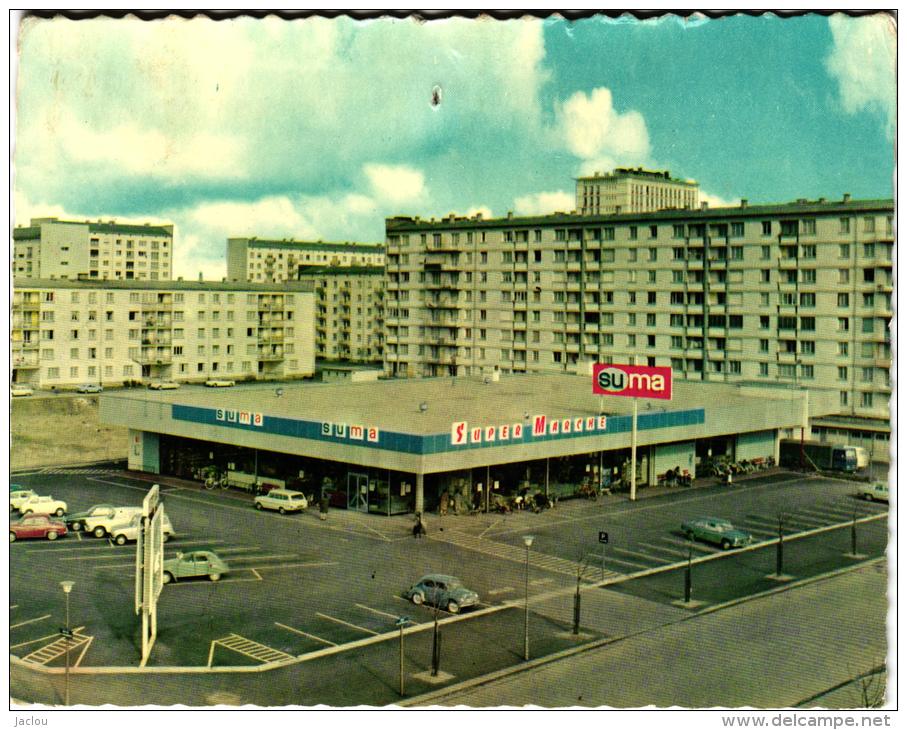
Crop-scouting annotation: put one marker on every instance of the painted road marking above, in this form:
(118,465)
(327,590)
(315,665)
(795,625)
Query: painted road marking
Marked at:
(108,556)
(54,635)
(303,633)
(256,574)
(694,545)
(662,549)
(29,621)
(79,536)
(264,557)
(99,545)
(249,648)
(346,623)
(541,581)
(58,648)
(632,564)
(499,591)
(295,565)
(375,610)
(639,554)
(15,605)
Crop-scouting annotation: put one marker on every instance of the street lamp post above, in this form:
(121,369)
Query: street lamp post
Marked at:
(527,541)
(67,585)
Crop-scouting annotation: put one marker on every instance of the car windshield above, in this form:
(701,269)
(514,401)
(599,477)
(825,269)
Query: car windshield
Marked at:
(723,526)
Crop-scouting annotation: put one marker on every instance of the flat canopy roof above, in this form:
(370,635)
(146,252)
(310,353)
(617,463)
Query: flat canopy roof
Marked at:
(394,405)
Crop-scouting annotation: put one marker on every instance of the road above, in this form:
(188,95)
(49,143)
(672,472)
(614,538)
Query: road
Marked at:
(301,587)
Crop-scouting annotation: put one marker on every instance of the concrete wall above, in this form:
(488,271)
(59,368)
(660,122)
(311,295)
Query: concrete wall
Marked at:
(755,445)
(668,456)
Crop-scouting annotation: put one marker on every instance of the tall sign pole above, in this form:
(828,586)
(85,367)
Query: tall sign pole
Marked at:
(634,381)
(149,567)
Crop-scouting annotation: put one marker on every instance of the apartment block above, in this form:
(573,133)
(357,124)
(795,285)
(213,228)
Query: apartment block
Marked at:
(795,293)
(258,260)
(349,312)
(633,190)
(111,332)
(53,249)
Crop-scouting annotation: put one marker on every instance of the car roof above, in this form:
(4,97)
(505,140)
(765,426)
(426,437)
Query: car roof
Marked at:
(286,491)
(440,577)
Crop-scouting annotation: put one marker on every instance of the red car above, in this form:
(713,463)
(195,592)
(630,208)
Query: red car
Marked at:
(36,526)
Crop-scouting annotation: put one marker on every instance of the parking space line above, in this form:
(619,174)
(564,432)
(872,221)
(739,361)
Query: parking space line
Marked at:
(29,621)
(256,574)
(670,551)
(106,556)
(79,536)
(346,623)
(610,559)
(303,633)
(375,610)
(99,545)
(541,581)
(639,554)
(34,641)
(499,591)
(694,545)
(295,565)
(15,605)
(264,557)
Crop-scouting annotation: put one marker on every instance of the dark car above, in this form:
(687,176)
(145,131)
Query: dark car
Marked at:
(443,591)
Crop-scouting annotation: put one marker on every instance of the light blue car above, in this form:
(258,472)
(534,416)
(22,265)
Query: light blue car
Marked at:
(716,531)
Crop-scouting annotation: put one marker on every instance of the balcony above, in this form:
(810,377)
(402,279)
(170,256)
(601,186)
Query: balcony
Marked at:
(164,305)
(267,337)
(269,305)
(23,362)
(161,356)
(270,354)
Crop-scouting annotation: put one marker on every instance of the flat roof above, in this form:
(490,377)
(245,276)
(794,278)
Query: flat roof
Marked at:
(24,284)
(394,405)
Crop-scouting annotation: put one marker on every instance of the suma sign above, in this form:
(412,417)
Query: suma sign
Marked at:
(634,381)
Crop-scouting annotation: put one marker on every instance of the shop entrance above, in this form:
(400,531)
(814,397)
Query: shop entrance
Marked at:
(357,491)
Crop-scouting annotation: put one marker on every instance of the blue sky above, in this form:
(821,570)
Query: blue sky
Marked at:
(319,129)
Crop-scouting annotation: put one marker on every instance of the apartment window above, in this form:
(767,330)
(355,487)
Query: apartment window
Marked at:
(737,230)
(763,345)
(844,225)
(650,320)
(843,299)
(631,255)
(634,233)
(843,250)
(766,276)
(787,371)
(868,299)
(808,324)
(869,225)
(631,297)
(808,347)
(809,251)
(869,276)
(807,300)
(809,276)
(631,340)
(842,372)
(764,299)
(766,228)
(787,323)
(843,276)
(866,375)
(678,230)
(736,253)
(651,298)
(843,349)
(764,322)
(843,324)
(653,231)
(766,252)
(763,369)
(650,340)
(868,324)
(866,400)
(807,372)
(809,227)
(653,254)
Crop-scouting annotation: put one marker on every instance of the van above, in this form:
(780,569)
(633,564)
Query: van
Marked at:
(862,456)
(282,500)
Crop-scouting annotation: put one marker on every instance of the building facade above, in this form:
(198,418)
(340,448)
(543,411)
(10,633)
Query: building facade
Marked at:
(258,260)
(65,333)
(53,249)
(633,190)
(349,312)
(797,293)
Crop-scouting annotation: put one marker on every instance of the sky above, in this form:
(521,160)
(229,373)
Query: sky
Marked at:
(319,129)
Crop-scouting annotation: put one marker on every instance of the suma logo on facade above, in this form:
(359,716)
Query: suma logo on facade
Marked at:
(631,380)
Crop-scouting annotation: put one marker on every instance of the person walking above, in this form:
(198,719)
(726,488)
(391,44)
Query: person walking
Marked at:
(323,504)
(419,527)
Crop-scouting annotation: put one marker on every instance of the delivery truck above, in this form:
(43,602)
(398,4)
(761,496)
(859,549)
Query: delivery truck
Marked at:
(816,455)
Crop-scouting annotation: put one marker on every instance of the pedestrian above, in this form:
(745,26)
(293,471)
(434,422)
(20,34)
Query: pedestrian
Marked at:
(323,504)
(419,527)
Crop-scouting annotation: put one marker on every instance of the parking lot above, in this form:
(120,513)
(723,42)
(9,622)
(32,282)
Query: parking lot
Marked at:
(300,587)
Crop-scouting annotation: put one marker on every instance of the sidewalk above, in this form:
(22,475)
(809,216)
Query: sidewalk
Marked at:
(775,650)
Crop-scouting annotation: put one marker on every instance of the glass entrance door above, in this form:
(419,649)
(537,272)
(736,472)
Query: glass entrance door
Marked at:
(357,491)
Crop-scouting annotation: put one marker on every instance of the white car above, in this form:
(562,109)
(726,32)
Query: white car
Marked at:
(163,385)
(100,525)
(19,496)
(282,500)
(20,390)
(43,506)
(218,383)
(877,491)
(129,531)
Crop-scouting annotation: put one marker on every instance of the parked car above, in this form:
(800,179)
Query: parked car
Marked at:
(716,531)
(877,491)
(196,564)
(443,591)
(129,531)
(76,520)
(46,505)
(100,523)
(218,383)
(283,500)
(18,390)
(90,388)
(18,496)
(163,385)
(40,526)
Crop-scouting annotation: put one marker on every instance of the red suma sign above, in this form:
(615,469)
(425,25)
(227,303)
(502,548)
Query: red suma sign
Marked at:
(635,381)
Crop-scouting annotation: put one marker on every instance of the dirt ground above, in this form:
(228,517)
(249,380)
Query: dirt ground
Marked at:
(61,430)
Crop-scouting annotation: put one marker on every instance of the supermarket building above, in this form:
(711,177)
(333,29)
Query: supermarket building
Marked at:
(395,446)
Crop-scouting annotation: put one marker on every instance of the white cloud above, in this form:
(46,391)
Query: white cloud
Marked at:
(544,203)
(476,209)
(716,201)
(863,61)
(395,184)
(593,130)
